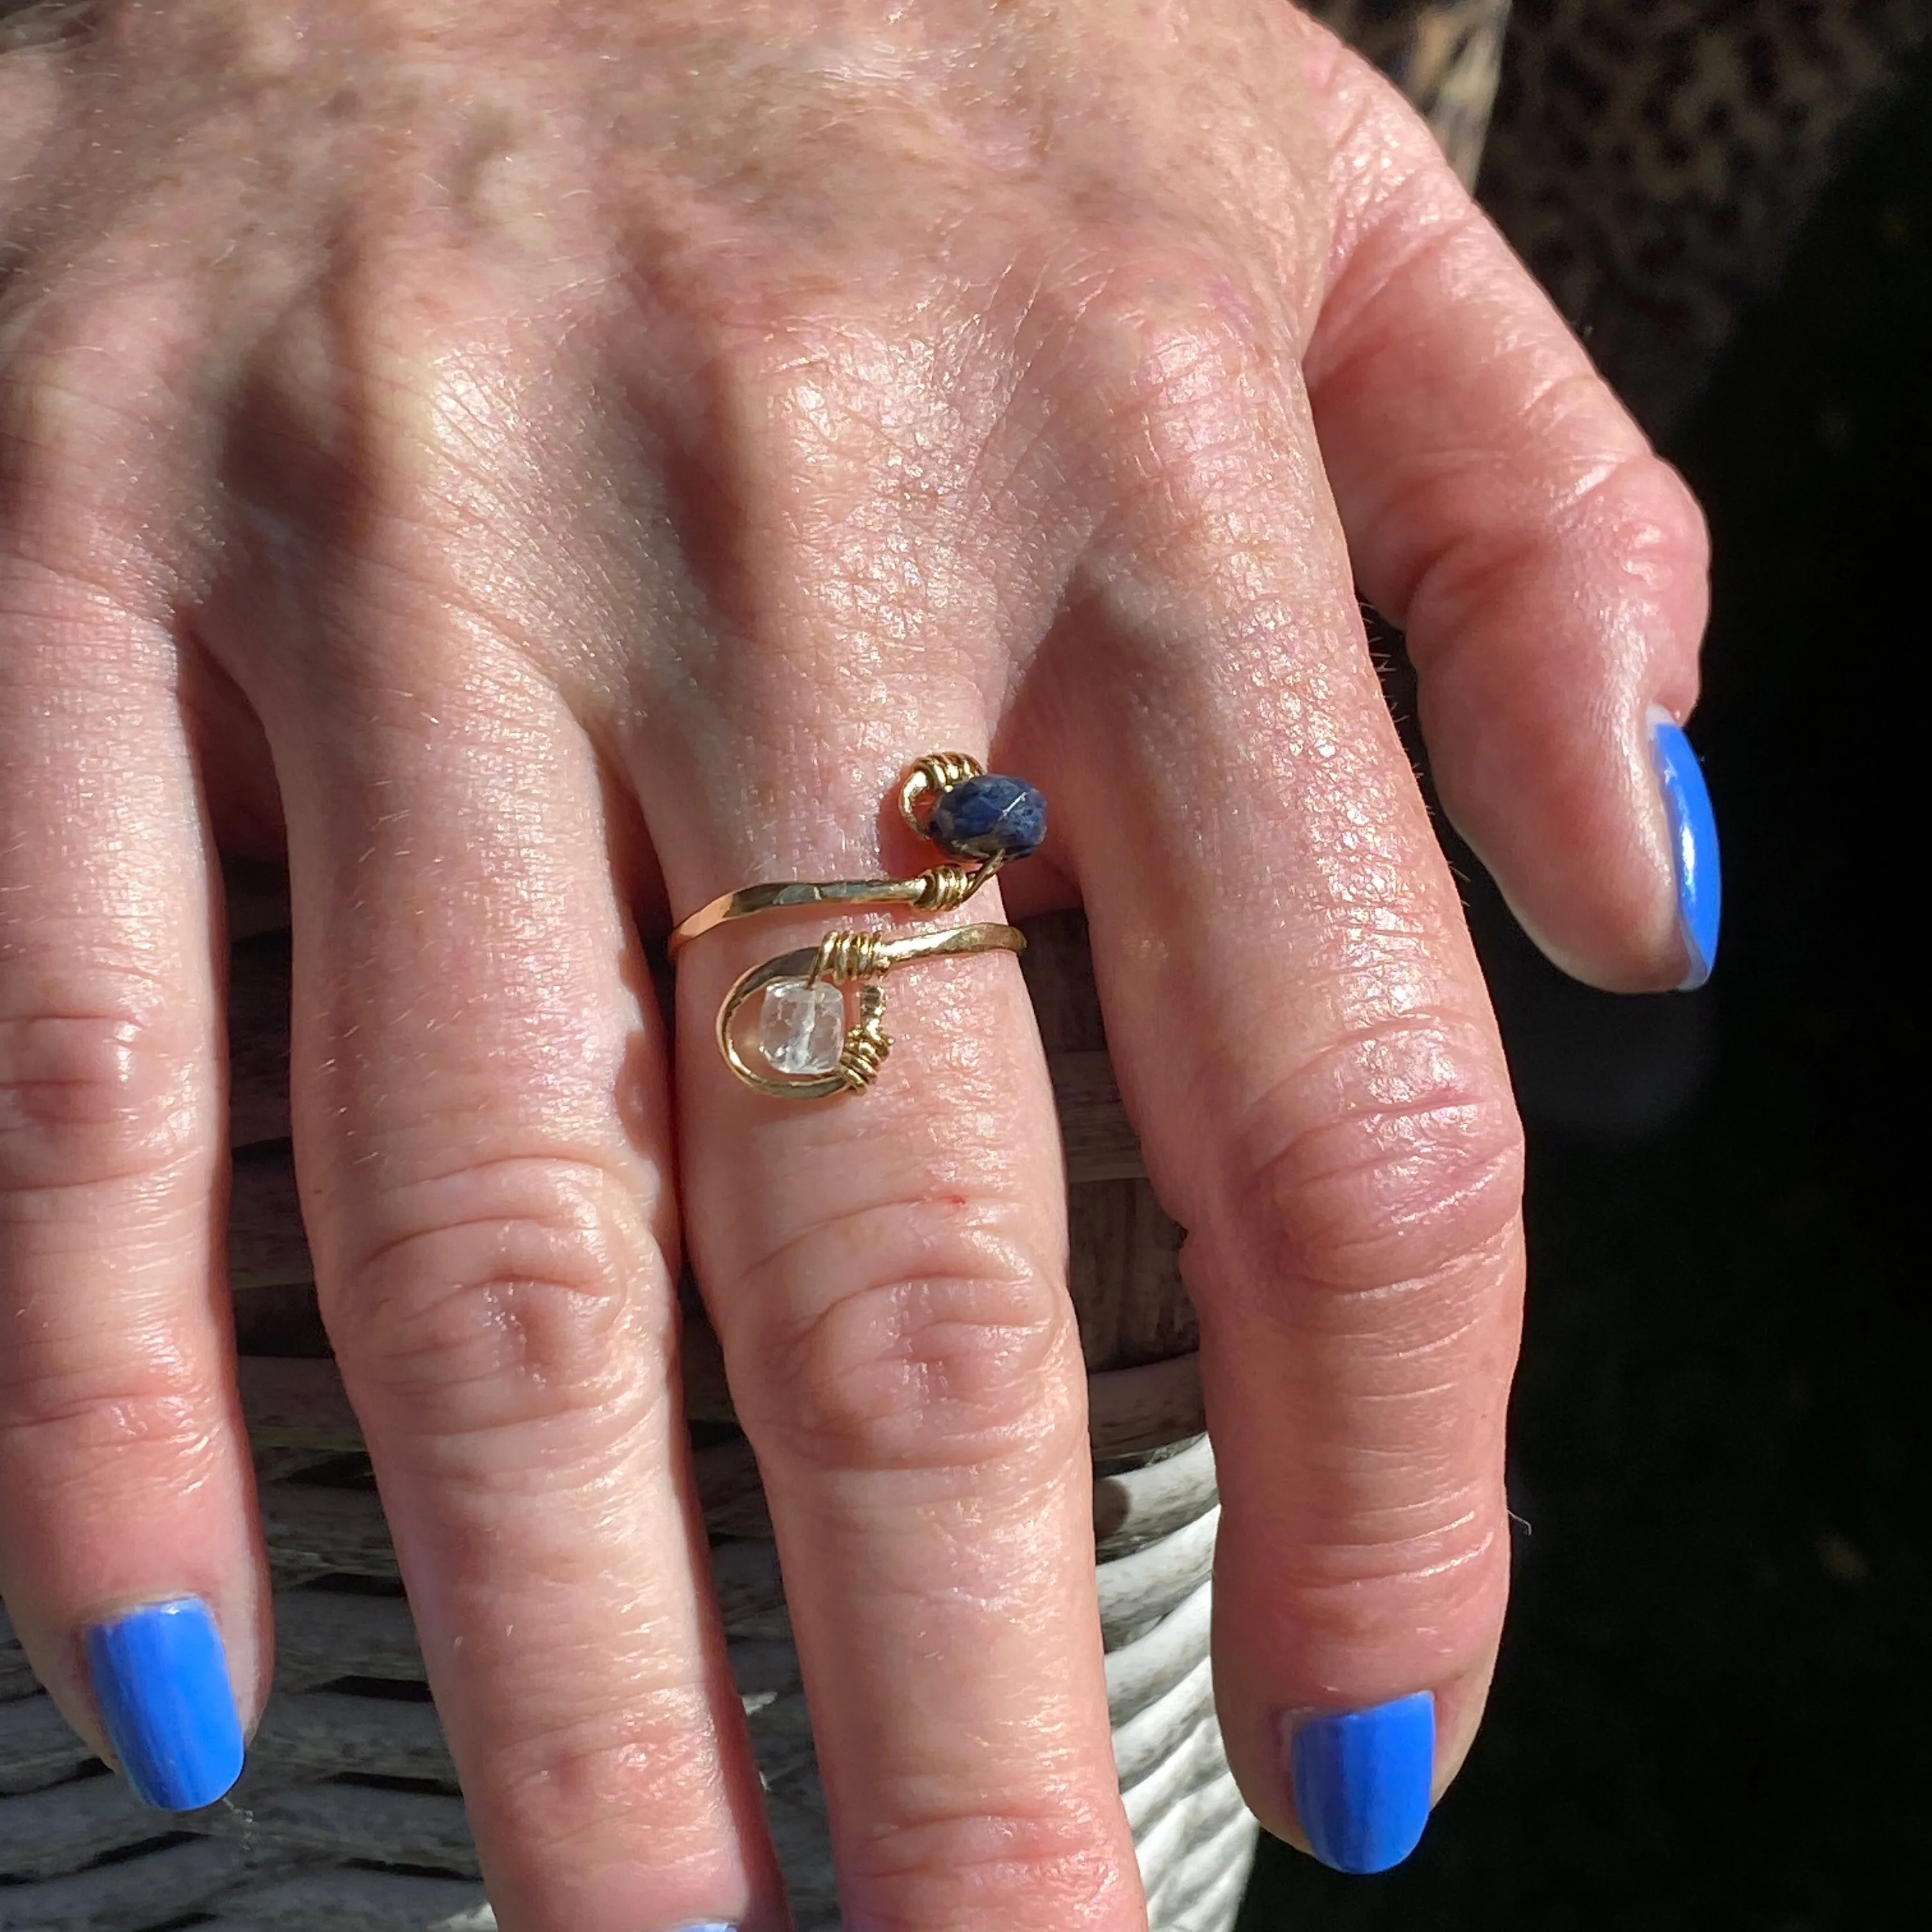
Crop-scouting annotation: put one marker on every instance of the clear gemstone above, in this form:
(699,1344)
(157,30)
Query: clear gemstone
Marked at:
(801,1026)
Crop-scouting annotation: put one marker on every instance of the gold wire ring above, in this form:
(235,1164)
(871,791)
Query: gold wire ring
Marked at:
(938,772)
(845,957)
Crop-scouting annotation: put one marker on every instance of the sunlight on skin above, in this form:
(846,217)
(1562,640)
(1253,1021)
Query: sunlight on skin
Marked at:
(561,465)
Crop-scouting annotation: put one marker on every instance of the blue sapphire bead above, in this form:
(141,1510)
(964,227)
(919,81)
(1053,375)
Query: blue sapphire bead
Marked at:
(983,817)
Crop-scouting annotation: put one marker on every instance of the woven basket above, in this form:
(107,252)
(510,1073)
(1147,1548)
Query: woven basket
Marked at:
(350,1808)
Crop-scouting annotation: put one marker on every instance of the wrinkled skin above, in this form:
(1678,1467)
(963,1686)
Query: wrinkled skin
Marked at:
(539,467)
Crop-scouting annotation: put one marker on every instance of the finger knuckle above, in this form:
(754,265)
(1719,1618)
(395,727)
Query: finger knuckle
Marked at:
(957,1863)
(1164,349)
(99,1085)
(512,1298)
(1437,1564)
(83,366)
(810,410)
(572,1783)
(1584,503)
(1386,1159)
(1637,507)
(75,1406)
(945,1342)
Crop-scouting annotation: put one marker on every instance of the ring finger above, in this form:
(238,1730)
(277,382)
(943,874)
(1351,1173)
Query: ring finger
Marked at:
(886,1271)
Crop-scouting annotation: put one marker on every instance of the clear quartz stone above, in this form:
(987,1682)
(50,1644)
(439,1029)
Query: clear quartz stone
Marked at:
(801,1026)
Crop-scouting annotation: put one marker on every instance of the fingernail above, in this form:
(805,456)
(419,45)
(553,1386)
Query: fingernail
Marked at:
(1362,1781)
(160,1678)
(1693,845)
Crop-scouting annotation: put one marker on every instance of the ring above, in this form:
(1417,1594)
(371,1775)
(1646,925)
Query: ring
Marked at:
(980,819)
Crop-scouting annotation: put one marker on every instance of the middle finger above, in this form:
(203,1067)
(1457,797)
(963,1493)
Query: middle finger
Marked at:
(886,1270)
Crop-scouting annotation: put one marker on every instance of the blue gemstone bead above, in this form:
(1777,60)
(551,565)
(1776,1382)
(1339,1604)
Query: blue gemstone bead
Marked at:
(981,817)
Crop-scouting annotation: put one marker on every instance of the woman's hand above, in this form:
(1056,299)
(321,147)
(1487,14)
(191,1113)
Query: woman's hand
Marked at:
(550,465)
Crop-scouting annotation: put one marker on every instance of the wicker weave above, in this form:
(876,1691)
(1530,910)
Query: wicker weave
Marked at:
(299,1847)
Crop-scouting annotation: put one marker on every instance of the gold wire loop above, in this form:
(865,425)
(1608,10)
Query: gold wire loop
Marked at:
(844,956)
(938,772)
(866,1043)
(949,886)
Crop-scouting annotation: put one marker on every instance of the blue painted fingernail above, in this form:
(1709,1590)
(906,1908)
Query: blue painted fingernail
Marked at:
(1362,1781)
(1694,845)
(160,1678)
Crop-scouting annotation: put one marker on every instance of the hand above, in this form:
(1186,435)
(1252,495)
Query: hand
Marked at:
(543,467)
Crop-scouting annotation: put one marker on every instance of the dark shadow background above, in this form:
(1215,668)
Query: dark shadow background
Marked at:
(1714,1706)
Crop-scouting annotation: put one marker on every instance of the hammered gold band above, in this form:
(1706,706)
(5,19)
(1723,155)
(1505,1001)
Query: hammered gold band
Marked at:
(946,797)
(937,889)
